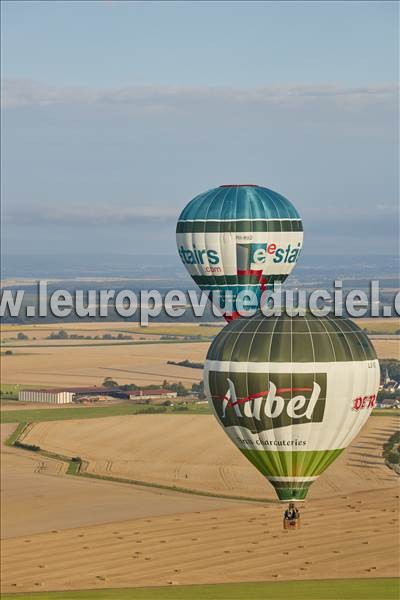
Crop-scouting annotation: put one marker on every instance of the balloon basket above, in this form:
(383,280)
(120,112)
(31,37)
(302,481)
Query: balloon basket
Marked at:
(291,524)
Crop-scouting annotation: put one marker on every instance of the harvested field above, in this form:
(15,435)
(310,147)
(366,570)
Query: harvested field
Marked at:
(192,451)
(240,543)
(75,366)
(39,334)
(387,348)
(349,525)
(37,497)
(380,325)
(141,364)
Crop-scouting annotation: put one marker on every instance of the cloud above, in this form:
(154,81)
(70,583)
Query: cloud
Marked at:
(87,215)
(80,160)
(25,92)
(330,224)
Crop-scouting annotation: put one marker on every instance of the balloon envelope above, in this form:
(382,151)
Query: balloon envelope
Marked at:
(239,238)
(291,393)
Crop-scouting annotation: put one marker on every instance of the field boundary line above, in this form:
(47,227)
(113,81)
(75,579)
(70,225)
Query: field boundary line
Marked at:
(15,435)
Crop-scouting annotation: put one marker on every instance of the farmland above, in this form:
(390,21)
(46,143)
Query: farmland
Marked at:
(142,360)
(345,589)
(123,521)
(55,413)
(159,537)
(84,365)
(180,450)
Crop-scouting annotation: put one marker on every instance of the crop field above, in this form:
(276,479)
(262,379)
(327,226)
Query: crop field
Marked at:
(43,331)
(387,348)
(146,448)
(94,333)
(101,530)
(378,325)
(142,364)
(45,413)
(81,366)
(38,497)
(67,533)
(345,589)
(91,412)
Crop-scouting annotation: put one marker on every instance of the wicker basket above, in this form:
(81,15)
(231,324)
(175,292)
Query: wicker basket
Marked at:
(291,523)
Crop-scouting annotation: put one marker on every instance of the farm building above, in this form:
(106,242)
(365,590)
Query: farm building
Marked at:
(151,394)
(390,403)
(55,396)
(68,395)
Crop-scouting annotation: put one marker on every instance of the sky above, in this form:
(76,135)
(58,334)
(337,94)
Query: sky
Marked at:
(115,114)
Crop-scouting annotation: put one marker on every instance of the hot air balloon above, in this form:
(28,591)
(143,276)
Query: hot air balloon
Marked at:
(239,238)
(291,393)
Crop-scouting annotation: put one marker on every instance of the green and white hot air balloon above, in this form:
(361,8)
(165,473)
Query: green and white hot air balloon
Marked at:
(236,240)
(291,393)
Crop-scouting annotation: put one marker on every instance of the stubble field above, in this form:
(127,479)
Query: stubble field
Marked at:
(58,363)
(66,532)
(75,366)
(90,538)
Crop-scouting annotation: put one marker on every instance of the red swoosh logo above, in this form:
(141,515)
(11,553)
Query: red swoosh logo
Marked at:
(260,394)
(257,272)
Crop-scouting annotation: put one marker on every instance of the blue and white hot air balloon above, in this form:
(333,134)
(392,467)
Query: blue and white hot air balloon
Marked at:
(239,238)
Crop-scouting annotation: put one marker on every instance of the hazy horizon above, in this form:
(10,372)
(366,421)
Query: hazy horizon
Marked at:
(115,115)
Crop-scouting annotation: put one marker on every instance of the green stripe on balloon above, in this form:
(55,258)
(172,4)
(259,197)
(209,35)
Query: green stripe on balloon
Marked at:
(291,464)
(223,280)
(298,463)
(237,226)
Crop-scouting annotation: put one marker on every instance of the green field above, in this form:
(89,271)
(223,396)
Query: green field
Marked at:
(385,412)
(15,434)
(9,391)
(91,412)
(114,410)
(335,589)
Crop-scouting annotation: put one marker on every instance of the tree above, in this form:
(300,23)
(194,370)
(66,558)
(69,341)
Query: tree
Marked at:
(22,336)
(179,388)
(393,367)
(109,382)
(129,386)
(199,388)
(60,335)
(393,458)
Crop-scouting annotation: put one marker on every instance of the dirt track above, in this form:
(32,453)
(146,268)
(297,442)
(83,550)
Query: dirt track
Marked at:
(346,532)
